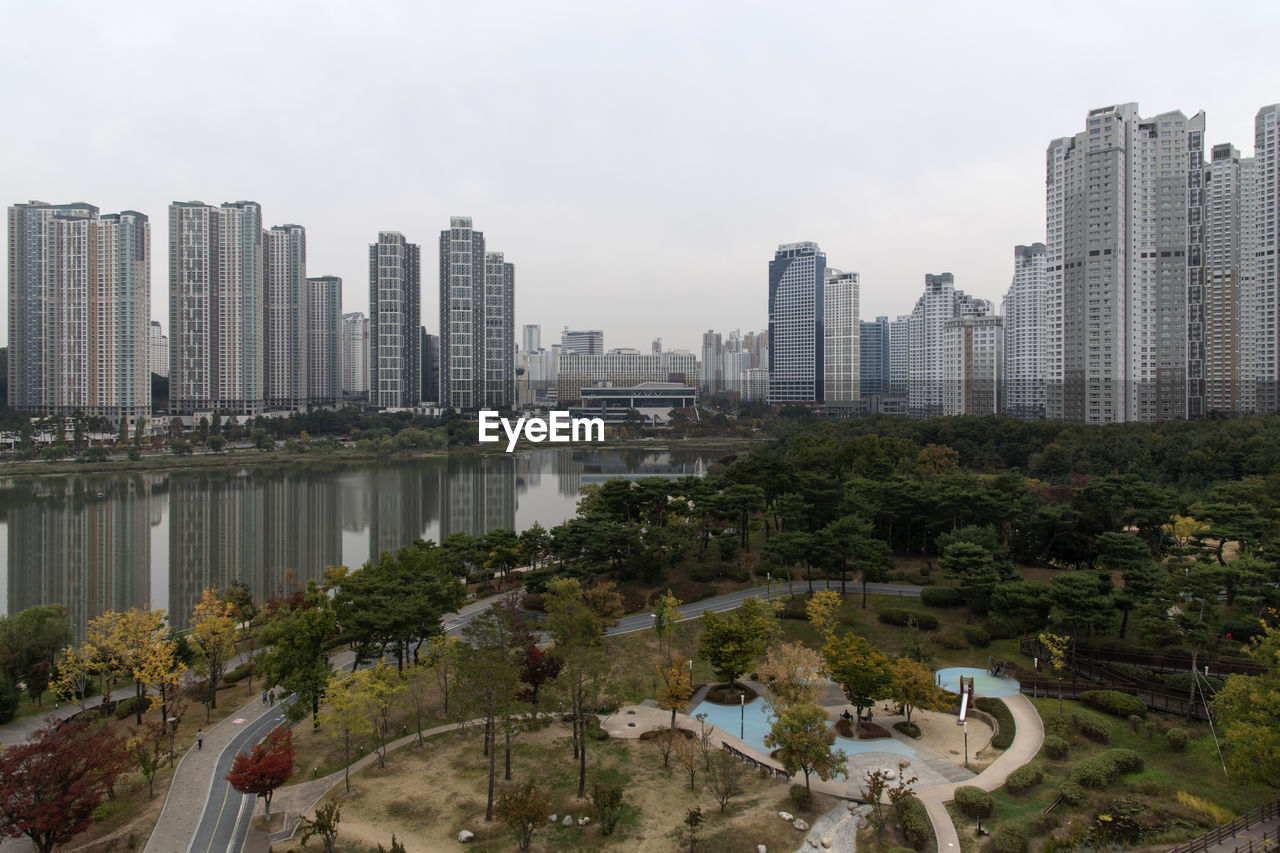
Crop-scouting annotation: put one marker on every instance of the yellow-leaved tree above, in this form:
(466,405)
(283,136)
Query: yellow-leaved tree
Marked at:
(213,636)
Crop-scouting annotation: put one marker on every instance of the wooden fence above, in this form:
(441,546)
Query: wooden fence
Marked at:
(1263,843)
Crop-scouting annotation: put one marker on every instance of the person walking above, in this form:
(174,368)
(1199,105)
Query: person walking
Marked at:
(199,739)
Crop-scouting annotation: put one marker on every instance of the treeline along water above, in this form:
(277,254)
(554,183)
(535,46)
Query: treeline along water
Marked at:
(100,542)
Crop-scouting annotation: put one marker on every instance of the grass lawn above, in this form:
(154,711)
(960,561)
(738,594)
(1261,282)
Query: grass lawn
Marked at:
(1150,794)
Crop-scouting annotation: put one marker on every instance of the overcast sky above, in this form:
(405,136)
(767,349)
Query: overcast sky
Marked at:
(639,163)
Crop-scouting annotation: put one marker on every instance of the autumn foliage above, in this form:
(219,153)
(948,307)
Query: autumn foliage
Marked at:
(50,785)
(265,767)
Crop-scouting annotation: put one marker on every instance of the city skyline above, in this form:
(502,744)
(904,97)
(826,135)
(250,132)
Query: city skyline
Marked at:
(948,175)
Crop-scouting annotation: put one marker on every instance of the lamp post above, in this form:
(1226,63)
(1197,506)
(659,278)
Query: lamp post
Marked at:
(173,727)
(742,717)
(966,744)
(768,579)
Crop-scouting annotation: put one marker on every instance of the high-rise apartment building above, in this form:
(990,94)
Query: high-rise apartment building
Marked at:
(531,338)
(286,338)
(973,359)
(79,311)
(1124,251)
(1266,247)
(582,341)
(499,333)
(395,291)
(354,329)
(1223,328)
(873,357)
(797,312)
(712,362)
(1026,331)
(927,371)
(324,340)
(216,308)
(899,356)
(841,327)
(157,350)
(477,322)
(430,367)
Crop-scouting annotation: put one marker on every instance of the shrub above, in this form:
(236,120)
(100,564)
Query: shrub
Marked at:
(741,577)
(923,621)
(1092,726)
(1242,630)
(1114,702)
(240,673)
(1058,725)
(1056,747)
(1177,740)
(534,601)
(911,730)
(537,580)
(1006,728)
(974,802)
(129,707)
(1215,813)
(1043,824)
(1008,838)
(952,642)
(1135,724)
(913,820)
(704,573)
(801,798)
(1073,795)
(941,596)
(977,637)
(1024,779)
(10,698)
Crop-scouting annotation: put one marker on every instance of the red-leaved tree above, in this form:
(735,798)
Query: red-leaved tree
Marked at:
(265,767)
(50,785)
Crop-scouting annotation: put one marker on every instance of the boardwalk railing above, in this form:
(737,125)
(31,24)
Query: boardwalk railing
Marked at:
(1262,844)
(768,769)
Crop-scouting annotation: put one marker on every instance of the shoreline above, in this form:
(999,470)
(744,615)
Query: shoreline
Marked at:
(166,461)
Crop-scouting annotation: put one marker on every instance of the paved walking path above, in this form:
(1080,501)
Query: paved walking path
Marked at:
(18,731)
(1253,837)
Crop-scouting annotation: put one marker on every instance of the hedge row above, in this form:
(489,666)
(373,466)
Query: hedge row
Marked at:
(1004,720)
(1114,702)
(941,596)
(913,818)
(1024,779)
(1099,771)
(1092,726)
(924,621)
(1056,747)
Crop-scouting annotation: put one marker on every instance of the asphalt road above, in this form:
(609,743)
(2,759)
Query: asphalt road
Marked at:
(227,812)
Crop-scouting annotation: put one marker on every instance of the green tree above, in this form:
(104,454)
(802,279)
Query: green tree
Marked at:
(666,616)
(349,713)
(863,673)
(804,740)
(487,681)
(607,800)
(731,642)
(970,566)
(1248,710)
(914,688)
(676,688)
(523,807)
(296,659)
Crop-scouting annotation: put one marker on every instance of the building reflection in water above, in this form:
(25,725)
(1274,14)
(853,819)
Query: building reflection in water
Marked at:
(111,542)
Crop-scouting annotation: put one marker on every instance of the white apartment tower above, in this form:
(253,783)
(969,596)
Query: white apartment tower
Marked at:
(973,362)
(79,311)
(1124,268)
(324,340)
(713,376)
(158,350)
(216,308)
(899,355)
(1025,330)
(354,329)
(927,373)
(285,348)
(1266,245)
(395,296)
(841,328)
(499,332)
(477,322)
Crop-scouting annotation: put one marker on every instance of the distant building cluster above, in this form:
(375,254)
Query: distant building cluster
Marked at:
(1154,295)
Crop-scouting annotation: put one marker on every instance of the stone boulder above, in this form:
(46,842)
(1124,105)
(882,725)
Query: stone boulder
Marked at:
(465,835)
(800,825)
(760,848)
(826,844)
(787,816)
(552,818)
(568,820)
(583,821)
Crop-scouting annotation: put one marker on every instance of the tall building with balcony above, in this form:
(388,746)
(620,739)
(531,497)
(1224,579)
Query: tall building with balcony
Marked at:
(1025,335)
(354,331)
(477,322)
(395,292)
(216,308)
(287,302)
(157,350)
(927,371)
(973,362)
(531,338)
(873,357)
(324,340)
(712,362)
(1124,249)
(1265,237)
(79,311)
(841,349)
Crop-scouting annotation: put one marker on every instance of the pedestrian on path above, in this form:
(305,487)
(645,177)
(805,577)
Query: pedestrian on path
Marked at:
(264,697)
(199,739)
(271,698)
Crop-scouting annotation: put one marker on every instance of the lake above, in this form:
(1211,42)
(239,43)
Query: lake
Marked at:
(98,542)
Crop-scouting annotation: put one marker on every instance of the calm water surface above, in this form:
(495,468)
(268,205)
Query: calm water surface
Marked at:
(99,542)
